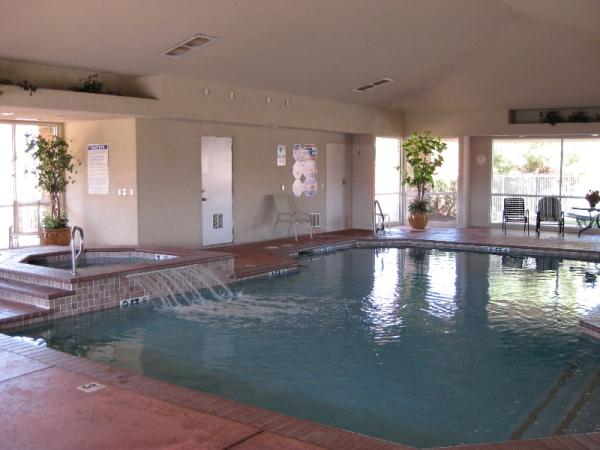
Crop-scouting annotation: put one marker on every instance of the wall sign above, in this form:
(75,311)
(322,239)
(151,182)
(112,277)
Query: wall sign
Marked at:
(281,155)
(304,170)
(97,169)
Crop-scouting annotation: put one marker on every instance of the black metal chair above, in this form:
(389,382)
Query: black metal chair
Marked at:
(514,211)
(550,210)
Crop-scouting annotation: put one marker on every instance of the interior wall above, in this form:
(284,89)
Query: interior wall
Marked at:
(480,181)
(363,181)
(338,191)
(169,180)
(106,219)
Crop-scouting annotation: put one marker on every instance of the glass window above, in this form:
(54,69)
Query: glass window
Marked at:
(532,168)
(387,176)
(21,202)
(444,195)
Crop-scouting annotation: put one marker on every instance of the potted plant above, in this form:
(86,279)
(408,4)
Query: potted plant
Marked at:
(593,197)
(423,154)
(54,166)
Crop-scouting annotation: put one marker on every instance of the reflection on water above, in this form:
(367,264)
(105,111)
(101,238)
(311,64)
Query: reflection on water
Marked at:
(392,343)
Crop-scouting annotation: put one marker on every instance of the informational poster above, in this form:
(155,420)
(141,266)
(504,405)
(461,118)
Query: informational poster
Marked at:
(309,170)
(304,170)
(281,155)
(97,169)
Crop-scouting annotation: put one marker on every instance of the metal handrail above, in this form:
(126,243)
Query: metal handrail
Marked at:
(75,256)
(376,228)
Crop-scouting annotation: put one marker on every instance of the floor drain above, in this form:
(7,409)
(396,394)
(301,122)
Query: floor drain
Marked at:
(91,387)
(287,245)
(272,247)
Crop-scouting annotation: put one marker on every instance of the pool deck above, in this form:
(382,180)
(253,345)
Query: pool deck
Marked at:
(42,407)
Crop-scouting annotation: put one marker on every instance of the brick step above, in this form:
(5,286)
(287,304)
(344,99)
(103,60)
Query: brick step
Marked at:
(11,312)
(33,290)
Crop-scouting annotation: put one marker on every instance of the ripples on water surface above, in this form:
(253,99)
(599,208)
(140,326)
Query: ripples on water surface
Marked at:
(423,347)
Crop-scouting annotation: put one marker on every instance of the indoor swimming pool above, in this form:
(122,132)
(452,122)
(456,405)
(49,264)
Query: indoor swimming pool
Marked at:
(419,346)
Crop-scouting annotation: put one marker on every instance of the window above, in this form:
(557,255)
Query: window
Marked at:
(387,176)
(21,203)
(532,168)
(444,196)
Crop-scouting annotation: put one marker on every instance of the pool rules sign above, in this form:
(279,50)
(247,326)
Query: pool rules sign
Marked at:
(97,169)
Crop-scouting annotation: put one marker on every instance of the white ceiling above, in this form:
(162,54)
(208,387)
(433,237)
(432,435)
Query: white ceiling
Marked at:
(443,54)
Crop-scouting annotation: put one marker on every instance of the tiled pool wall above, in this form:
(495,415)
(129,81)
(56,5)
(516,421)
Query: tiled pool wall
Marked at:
(104,292)
(62,257)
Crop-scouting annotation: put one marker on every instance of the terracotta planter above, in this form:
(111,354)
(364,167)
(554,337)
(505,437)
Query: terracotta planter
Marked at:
(418,221)
(59,236)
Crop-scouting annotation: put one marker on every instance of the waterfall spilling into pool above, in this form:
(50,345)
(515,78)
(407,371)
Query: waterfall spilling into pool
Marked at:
(181,286)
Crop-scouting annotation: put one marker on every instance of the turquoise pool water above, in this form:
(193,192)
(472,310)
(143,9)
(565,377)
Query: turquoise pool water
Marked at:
(422,347)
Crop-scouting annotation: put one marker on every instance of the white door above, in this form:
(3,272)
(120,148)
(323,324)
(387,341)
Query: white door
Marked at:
(338,170)
(217,196)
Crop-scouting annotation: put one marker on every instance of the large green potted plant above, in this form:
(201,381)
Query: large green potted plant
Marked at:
(423,154)
(54,166)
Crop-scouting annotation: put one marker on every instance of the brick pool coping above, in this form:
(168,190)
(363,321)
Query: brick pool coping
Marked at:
(270,422)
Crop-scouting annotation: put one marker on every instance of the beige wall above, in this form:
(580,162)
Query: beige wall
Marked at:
(182,98)
(363,181)
(106,219)
(169,184)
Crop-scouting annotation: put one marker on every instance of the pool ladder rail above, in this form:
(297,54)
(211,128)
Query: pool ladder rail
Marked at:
(76,255)
(377,211)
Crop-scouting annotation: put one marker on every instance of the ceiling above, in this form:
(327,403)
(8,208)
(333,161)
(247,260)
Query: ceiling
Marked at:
(442,54)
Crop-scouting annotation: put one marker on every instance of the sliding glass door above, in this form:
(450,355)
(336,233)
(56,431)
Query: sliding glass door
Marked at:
(21,202)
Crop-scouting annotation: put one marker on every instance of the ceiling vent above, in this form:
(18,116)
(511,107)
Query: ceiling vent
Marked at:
(184,48)
(373,85)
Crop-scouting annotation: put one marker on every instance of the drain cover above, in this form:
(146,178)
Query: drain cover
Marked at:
(91,387)
(272,247)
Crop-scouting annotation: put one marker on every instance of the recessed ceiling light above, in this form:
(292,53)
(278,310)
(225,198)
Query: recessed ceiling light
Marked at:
(183,48)
(30,119)
(6,114)
(595,135)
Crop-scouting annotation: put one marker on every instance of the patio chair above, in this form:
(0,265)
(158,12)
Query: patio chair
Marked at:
(285,214)
(514,211)
(549,210)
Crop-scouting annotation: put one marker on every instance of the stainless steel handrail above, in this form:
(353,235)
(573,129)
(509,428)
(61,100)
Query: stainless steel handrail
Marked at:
(377,229)
(75,256)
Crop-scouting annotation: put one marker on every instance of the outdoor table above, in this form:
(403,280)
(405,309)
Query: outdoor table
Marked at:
(582,219)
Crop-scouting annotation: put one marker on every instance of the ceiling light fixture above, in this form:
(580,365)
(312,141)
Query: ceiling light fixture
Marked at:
(29,119)
(6,114)
(186,47)
(373,85)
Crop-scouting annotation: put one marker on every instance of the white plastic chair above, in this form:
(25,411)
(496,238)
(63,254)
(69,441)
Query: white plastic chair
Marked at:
(285,214)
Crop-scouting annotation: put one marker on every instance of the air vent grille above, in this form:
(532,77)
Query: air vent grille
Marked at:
(373,85)
(217,221)
(184,48)
(315,220)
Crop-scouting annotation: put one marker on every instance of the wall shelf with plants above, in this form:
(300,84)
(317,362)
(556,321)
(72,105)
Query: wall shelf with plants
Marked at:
(92,84)
(553,116)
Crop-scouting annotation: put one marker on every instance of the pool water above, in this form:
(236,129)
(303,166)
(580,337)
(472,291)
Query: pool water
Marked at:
(86,261)
(422,347)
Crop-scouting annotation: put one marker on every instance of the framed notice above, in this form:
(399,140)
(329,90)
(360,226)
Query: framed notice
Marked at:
(281,155)
(97,169)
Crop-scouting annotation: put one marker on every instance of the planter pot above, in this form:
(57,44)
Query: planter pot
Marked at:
(418,221)
(58,236)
